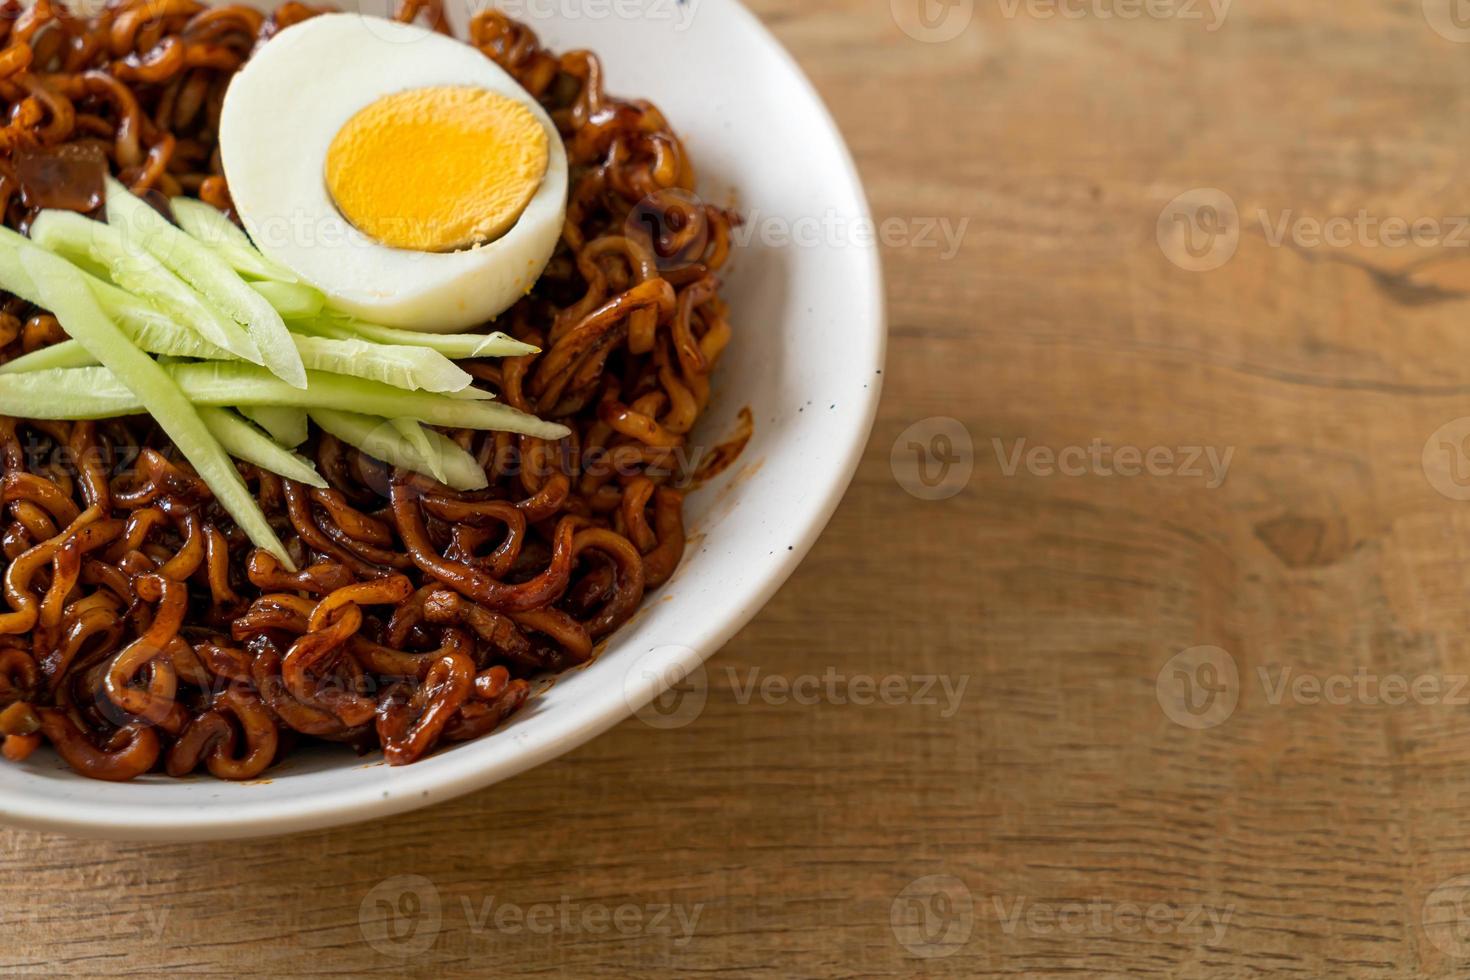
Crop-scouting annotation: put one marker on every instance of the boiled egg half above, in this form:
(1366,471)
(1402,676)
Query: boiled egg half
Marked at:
(401,172)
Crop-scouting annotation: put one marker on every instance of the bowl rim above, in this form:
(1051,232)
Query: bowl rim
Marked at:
(415,787)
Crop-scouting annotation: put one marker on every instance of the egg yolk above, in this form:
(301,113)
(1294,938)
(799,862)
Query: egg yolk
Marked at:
(437,169)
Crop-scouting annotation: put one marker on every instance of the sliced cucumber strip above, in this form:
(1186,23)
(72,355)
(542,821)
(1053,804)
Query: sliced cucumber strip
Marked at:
(67,354)
(402,367)
(93,393)
(458,346)
(417,438)
(293,300)
(426,451)
(210,275)
(392,364)
(71,235)
(244,441)
(163,338)
(208,226)
(129,311)
(64,292)
(286,426)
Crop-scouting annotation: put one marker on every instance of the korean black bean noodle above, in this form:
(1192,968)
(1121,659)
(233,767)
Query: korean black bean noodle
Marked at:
(143,633)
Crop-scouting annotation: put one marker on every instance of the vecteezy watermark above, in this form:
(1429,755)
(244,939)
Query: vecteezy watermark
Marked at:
(1283,684)
(680,13)
(403,916)
(933,916)
(1201,687)
(1446,459)
(1450,19)
(932,21)
(1363,229)
(1446,917)
(679,228)
(936,21)
(835,687)
(662,688)
(1102,459)
(147,10)
(1097,917)
(835,229)
(1198,688)
(665,692)
(135,924)
(1211,13)
(569,917)
(933,458)
(381,24)
(45,454)
(1199,230)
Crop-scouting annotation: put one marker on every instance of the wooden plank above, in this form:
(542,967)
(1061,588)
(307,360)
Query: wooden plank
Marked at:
(1054,819)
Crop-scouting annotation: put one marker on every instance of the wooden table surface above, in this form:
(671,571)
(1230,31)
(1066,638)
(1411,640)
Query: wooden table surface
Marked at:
(1171,682)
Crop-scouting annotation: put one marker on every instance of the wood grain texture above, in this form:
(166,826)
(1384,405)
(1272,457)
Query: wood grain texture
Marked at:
(1055,821)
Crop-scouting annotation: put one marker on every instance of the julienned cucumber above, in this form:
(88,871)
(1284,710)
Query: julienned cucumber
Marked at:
(428,452)
(414,368)
(63,291)
(244,441)
(458,346)
(286,426)
(211,275)
(208,226)
(127,310)
(293,300)
(130,267)
(94,393)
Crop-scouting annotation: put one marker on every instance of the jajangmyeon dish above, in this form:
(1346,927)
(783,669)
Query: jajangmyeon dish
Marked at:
(347,372)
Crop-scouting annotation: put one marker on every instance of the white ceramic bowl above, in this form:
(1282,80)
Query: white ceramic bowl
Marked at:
(807,308)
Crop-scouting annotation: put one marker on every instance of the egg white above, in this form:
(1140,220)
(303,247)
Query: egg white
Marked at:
(280,115)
